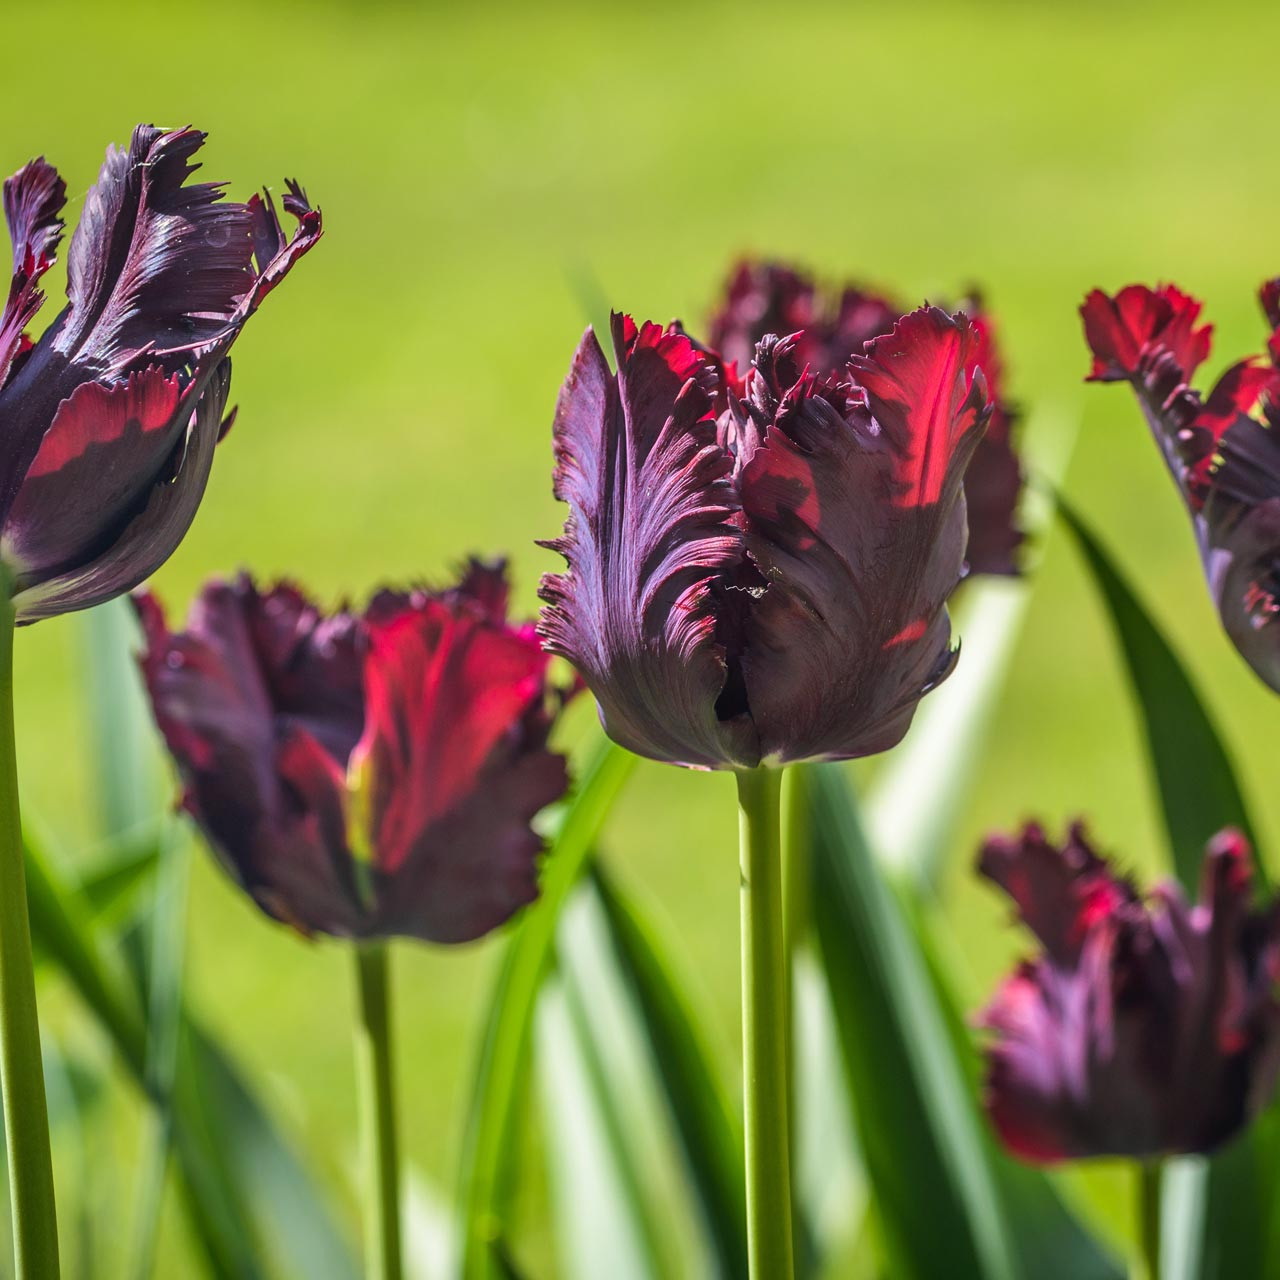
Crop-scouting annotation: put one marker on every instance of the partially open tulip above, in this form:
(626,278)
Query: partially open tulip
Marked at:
(110,418)
(369,774)
(1144,1027)
(758,569)
(1223,450)
(761,298)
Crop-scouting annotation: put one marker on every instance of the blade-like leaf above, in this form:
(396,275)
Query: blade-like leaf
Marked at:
(1219,1213)
(504,1054)
(125,758)
(166,931)
(601,1226)
(242,1183)
(1194,776)
(706,1124)
(920,1138)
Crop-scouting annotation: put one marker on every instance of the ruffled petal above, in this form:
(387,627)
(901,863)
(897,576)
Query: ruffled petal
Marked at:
(855,519)
(452,768)
(155,262)
(1145,1028)
(1120,329)
(649,539)
(33,200)
(267,794)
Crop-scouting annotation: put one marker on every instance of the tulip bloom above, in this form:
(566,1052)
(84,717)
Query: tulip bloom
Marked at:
(1223,451)
(758,569)
(111,416)
(767,297)
(363,775)
(1144,1027)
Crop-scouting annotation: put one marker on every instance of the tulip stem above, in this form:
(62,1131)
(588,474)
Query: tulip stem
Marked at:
(765,1013)
(1150,1178)
(26,1117)
(378,1114)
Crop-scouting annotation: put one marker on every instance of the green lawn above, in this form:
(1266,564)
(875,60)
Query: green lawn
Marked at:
(396,395)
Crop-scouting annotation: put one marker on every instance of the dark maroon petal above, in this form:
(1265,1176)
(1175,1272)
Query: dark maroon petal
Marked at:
(254,777)
(993,480)
(855,521)
(772,298)
(1060,892)
(1120,330)
(452,769)
(649,535)
(155,262)
(104,452)
(33,200)
(88,528)
(1144,1029)
(1224,452)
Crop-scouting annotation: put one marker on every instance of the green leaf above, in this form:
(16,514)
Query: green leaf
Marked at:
(291,1220)
(604,1224)
(242,1182)
(1194,776)
(503,1066)
(921,1141)
(165,934)
(706,1124)
(126,764)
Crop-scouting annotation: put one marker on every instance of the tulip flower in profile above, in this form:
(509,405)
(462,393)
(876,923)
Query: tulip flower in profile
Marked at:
(761,298)
(758,571)
(364,776)
(1144,1027)
(111,416)
(1223,451)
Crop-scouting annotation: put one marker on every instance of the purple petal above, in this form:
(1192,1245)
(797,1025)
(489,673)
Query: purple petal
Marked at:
(33,200)
(649,537)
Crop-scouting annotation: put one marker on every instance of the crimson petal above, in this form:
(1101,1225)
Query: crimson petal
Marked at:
(852,630)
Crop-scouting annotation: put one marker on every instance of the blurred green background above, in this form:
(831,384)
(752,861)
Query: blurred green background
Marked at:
(396,395)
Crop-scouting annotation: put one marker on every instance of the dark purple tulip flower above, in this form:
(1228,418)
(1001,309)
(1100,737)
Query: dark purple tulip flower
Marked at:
(111,417)
(758,569)
(1223,451)
(363,775)
(1145,1027)
(761,298)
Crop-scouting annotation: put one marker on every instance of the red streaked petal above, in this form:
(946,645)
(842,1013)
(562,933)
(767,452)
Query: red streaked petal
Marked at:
(931,410)
(1122,329)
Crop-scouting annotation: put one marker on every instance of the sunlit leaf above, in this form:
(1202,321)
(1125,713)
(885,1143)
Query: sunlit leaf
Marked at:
(706,1124)
(503,1065)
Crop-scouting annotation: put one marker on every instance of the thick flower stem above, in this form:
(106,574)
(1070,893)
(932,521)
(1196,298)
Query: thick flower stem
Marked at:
(1150,1178)
(26,1119)
(378,1114)
(765,1011)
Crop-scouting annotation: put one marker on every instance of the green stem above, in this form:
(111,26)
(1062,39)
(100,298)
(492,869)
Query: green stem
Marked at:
(378,1114)
(1150,1177)
(765,1012)
(26,1119)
